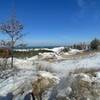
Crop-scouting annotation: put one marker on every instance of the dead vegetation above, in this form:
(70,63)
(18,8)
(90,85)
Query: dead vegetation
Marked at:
(90,71)
(40,86)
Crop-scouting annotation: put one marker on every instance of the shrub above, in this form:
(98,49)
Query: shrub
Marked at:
(94,44)
(65,49)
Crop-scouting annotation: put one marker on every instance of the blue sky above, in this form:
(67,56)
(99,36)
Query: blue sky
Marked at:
(55,22)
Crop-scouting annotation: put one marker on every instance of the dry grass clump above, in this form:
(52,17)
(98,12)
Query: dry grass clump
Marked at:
(44,67)
(40,86)
(91,71)
(4,64)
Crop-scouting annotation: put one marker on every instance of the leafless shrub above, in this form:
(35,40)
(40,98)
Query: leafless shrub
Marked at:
(4,65)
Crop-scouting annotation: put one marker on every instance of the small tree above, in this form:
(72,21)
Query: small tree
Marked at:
(94,44)
(13,28)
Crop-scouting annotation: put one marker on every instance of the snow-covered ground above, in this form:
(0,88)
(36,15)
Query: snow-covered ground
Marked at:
(64,66)
(29,67)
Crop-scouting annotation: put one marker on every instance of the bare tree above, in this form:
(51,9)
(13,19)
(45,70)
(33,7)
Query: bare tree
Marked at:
(13,28)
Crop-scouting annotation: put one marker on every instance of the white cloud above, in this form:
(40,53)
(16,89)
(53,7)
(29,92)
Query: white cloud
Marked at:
(85,3)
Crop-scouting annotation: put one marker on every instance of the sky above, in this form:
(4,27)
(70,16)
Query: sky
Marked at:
(54,22)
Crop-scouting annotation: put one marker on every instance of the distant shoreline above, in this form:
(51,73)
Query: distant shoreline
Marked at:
(34,47)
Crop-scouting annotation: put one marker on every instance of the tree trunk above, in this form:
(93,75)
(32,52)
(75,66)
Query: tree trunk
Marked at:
(12,47)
